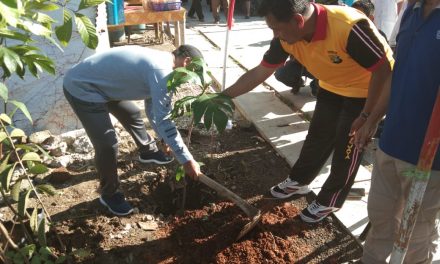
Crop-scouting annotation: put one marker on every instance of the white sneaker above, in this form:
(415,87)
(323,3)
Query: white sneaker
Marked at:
(316,212)
(288,188)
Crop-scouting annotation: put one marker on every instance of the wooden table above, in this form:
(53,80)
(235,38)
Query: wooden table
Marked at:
(144,15)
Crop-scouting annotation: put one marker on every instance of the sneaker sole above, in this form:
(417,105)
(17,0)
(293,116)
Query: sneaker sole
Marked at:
(154,161)
(113,212)
(311,220)
(282,196)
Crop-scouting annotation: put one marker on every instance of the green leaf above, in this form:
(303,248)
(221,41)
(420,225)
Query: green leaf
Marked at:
(208,116)
(44,152)
(31,156)
(15,190)
(216,108)
(42,6)
(89,3)
(10,59)
(182,105)
(3,136)
(37,260)
(64,32)
(31,66)
(23,109)
(86,30)
(17,132)
(5,162)
(180,173)
(61,259)
(180,76)
(3,92)
(220,119)
(38,169)
(42,232)
(10,15)
(45,252)
(82,253)
(46,188)
(33,221)
(35,28)
(22,202)
(6,175)
(6,33)
(25,147)
(28,250)
(5,118)
(43,63)
(43,18)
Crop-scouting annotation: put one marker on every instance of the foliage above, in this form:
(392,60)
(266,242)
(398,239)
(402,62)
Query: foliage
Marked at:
(23,25)
(214,108)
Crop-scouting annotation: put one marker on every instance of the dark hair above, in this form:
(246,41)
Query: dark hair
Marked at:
(283,10)
(365,6)
(187,51)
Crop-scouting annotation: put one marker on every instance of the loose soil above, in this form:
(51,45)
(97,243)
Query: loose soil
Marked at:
(185,221)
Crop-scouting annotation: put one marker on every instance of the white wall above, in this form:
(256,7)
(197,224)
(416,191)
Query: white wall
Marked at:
(44,97)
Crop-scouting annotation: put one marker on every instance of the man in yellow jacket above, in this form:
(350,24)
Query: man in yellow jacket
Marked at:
(342,48)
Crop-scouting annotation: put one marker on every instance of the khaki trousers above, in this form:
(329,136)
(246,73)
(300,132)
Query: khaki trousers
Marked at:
(386,202)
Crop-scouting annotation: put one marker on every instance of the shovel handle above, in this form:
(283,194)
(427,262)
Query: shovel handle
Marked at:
(249,210)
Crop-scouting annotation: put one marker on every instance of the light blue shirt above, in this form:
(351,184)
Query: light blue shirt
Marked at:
(130,73)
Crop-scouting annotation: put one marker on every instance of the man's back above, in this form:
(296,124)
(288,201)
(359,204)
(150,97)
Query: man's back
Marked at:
(124,73)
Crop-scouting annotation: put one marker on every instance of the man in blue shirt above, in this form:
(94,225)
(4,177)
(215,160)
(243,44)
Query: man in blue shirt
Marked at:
(105,83)
(410,98)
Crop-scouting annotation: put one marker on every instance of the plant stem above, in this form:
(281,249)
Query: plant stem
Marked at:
(3,257)
(30,183)
(5,233)
(16,214)
(190,129)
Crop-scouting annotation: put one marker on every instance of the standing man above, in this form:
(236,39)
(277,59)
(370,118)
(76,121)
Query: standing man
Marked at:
(215,5)
(105,83)
(342,48)
(196,7)
(408,102)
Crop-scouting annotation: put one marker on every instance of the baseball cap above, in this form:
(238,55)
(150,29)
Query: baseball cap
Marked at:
(187,51)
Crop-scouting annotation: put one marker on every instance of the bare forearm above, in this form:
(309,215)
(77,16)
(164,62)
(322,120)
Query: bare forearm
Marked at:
(248,81)
(381,105)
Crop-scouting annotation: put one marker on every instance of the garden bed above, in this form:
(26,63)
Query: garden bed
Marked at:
(173,224)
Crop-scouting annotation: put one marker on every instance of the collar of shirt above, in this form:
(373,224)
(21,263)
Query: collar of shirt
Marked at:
(321,23)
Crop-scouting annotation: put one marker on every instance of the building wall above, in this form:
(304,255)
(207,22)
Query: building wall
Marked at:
(44,97)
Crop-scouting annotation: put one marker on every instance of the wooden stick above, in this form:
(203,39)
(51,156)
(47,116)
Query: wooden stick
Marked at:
(418,186)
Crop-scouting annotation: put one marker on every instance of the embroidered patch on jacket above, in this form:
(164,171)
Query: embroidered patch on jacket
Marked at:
(333,55)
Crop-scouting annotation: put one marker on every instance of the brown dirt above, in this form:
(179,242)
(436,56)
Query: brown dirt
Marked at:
(205,231)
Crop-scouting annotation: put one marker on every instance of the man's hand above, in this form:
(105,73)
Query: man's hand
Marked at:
(363,136)
(356,125)
(192,169)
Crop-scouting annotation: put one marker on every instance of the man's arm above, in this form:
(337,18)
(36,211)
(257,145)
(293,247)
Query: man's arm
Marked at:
(366,132)
(369,49)
(376,88)
(249,80)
